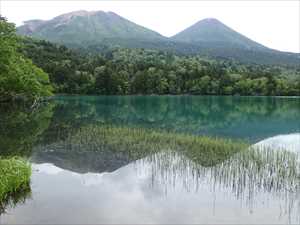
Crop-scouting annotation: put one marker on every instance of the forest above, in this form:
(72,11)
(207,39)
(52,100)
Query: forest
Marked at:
(122,71)
(34,68)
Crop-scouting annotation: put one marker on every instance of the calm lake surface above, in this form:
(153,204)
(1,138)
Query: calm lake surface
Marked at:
(81,185)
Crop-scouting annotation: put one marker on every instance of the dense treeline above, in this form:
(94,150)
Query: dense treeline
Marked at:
(19,77)
(140,71)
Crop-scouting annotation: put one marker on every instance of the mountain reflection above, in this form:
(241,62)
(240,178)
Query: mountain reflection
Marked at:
(61,140)
(249,177)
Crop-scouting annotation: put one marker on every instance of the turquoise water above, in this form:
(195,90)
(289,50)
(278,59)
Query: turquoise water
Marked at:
(73,186)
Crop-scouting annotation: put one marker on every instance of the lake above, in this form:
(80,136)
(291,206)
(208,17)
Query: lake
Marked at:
(75,181)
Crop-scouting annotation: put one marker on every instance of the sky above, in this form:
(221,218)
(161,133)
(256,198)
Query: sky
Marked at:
(275,24)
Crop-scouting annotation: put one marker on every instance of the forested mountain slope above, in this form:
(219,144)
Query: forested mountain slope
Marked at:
(100,30)
(142,71)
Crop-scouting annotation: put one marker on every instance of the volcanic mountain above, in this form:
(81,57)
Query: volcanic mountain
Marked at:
(208,37)
(81,27)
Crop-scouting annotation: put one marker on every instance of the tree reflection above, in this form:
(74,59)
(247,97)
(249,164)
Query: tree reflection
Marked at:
(252,118)
(21,127)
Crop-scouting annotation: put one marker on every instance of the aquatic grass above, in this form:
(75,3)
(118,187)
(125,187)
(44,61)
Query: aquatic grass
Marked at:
(247,173)
(190,160)
(261,169)
(14,178)
(264,167)
(231,163)
(140,142)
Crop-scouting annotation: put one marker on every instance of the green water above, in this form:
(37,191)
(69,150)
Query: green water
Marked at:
(78,183)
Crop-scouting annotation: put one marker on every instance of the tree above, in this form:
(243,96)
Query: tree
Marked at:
(101,79)
(8,44)
(19,78)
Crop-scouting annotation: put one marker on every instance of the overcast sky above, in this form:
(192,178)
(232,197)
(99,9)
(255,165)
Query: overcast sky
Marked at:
(272,23)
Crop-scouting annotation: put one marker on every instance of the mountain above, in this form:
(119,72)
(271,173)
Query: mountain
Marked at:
(213,32)
(98,30)
(82,27)
(211,37)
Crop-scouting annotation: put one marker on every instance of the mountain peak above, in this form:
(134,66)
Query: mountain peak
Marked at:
(213,31)
(83,26)
(210,20)
(77,13)
(209,23)
(209,36)
(80,13)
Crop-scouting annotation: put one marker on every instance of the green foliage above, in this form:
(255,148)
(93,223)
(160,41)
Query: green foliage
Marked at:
(19,78)
(8,44)
(139,71)
(14,177)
